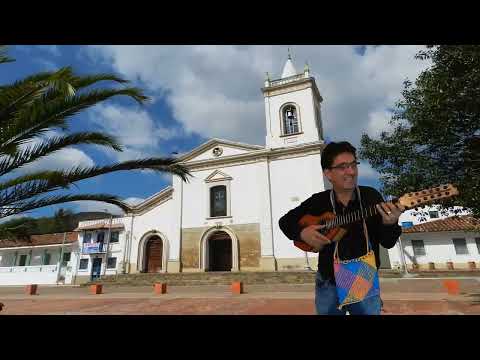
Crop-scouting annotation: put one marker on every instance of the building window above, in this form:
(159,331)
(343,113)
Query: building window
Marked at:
(477,240)
(46,259)
(114,236)
(290,120)
(87,237)
(23,260)
(66,257)
(460,246)
(100,236)
(218,201)
(418,247)
(112,263)
(433,214)
(83,264)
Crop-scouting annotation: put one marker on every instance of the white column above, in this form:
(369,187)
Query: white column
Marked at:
(174,255)
(266,231)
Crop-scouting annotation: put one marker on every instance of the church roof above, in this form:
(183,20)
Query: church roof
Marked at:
(289,69)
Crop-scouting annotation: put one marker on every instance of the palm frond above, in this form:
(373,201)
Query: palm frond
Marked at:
(30,154)
(3,55)
(38,183)
(81,82)
(59,199)
(168,165)
(40,117)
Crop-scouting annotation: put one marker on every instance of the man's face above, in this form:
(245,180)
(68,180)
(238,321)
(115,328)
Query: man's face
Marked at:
(343,172)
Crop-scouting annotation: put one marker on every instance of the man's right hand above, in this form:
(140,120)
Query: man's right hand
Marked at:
(314,238)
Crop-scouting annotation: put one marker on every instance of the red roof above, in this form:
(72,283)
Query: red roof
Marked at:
(99,226)
(453,223)
(39,240)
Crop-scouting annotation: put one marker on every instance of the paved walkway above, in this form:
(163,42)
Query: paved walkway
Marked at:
(401,296)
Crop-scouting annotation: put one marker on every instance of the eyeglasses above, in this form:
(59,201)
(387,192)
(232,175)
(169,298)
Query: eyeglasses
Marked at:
(345,166)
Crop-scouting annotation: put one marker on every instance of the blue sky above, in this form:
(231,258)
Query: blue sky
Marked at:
(199,92)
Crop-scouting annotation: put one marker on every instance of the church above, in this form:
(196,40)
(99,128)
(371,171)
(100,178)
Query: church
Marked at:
(226,217)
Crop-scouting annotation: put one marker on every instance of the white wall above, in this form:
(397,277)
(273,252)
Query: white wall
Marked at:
(293,181)
(116,249)
(244,196)
(35,272)
(439,248)
(159,220)
(24,275)
(308,125)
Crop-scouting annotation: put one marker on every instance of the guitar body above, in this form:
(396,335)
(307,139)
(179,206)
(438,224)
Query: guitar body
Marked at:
(334,234)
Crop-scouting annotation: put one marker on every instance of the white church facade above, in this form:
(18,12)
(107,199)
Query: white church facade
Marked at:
(225,218)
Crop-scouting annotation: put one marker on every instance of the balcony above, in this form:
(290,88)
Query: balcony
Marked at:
(93,248)
(36,268)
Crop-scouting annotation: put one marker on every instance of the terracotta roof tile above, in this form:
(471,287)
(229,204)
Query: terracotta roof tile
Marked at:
(39,240)
(453,223)
(99,226)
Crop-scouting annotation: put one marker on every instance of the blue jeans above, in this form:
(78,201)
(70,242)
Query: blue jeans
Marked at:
(326,301)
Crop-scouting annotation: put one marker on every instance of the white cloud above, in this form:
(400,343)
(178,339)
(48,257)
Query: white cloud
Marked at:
(134,200)
(87,206)
(215,90)
(366,172)
(59,160)
(81,206)
(379,121)
(134,128)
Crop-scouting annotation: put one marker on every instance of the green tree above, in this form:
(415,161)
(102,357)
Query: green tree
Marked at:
(41,102)
(435,136)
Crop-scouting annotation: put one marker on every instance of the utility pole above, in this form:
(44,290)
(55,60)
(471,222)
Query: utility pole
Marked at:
(107,244)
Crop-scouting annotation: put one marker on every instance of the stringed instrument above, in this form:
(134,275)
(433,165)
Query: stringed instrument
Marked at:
(335,229)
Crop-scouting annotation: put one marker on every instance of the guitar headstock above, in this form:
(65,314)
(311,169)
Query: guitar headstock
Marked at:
(419,198)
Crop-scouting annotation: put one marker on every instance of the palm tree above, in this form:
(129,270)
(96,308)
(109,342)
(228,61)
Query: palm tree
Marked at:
(45,101)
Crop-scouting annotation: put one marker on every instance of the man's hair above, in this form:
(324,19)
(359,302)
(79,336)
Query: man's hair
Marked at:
(333,149)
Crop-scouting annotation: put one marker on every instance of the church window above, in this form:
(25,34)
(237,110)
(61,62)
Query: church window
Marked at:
(218,201)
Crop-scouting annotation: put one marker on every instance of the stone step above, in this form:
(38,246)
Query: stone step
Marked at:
(225,278)
(209,278)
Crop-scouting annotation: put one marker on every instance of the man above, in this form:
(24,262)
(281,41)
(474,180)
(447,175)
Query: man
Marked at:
(339,164)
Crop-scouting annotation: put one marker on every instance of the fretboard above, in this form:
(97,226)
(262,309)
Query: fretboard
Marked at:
(351,217)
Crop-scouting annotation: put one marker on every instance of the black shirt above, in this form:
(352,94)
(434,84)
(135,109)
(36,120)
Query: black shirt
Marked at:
(353,244)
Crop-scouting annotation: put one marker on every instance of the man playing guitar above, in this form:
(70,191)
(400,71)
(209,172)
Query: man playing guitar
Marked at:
(339,163)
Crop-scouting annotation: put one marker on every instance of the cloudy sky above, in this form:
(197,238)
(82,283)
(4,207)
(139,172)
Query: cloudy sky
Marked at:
(199,92)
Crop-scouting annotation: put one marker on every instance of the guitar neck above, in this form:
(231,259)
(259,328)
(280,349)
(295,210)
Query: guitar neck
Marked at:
(352,217)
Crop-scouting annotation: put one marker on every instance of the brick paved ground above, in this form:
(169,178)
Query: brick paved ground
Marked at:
(401,296)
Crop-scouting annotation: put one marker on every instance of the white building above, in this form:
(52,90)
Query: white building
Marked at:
(226,217)
(442,242)
(37,261)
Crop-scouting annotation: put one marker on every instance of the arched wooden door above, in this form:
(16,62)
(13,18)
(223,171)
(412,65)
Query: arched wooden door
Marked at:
(220,252)
(153,255)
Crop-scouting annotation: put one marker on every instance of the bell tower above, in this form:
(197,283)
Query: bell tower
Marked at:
(292,108)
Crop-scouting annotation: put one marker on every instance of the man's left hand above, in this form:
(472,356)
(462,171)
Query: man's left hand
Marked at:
(390,212)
